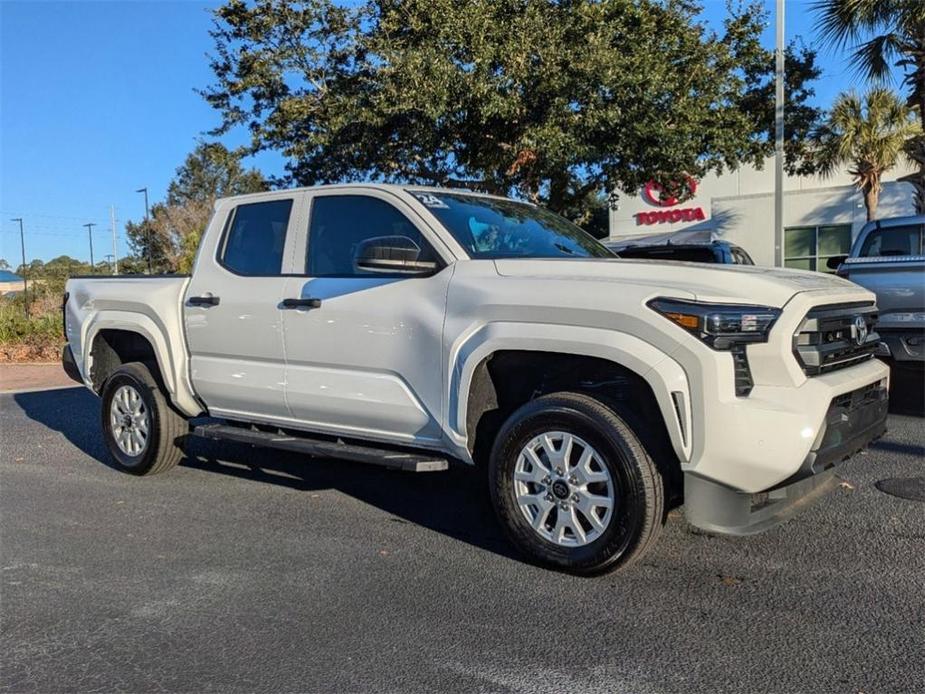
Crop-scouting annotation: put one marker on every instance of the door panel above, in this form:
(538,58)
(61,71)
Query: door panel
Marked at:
(236,349)
(237,362)
(366,359)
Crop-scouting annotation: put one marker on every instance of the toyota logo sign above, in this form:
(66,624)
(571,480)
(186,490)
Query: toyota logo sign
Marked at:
(654,193)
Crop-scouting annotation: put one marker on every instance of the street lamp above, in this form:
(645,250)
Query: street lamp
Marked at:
(90,226)
(22,245)
(779,96)
(147,228)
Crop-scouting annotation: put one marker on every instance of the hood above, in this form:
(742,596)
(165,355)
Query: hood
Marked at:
(706,282)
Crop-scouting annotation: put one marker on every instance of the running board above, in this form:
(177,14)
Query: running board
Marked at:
(394,460)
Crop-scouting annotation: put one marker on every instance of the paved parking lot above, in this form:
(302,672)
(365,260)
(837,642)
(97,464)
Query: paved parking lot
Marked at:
(248,570)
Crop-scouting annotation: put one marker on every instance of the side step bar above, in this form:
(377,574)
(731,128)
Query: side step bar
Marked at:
(394,460)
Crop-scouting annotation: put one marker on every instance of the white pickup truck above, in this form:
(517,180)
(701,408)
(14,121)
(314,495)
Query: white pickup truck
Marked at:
(410,327)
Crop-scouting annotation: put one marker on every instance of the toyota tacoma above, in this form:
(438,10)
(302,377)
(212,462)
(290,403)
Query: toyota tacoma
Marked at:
(412,327)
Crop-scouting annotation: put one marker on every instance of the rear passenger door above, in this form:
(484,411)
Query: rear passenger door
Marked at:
(364,357)
(232,310)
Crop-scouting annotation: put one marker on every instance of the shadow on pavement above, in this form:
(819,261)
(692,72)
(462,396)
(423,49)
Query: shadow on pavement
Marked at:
(454,503)
(75,412)
(904,448)
(907,389)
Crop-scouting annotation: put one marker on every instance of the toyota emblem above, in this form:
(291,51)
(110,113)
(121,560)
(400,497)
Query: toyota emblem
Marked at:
(860,330)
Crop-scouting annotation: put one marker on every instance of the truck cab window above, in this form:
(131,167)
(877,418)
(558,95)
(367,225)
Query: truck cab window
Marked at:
(339,223)
(255,240)
(893,241)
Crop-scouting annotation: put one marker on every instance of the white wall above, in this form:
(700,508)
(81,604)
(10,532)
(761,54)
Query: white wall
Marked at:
(739,206)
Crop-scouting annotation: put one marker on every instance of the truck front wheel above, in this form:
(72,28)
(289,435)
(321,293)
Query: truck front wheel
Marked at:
(143,433)
(573,485)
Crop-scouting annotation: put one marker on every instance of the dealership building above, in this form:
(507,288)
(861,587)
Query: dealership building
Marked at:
(821,215)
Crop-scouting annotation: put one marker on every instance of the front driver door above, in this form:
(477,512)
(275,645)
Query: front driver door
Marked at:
(363,352)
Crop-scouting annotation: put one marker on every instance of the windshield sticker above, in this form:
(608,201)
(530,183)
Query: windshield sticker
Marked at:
(431,200)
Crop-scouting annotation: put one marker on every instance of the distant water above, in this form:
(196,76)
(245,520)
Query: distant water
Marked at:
(7,276)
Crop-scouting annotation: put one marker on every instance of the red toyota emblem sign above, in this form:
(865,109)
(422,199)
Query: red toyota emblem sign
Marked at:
(652,193)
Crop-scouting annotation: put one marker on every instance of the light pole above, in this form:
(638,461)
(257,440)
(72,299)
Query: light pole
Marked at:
(22,245)
(90,226)
(147,228)
(779,138)
(115,257)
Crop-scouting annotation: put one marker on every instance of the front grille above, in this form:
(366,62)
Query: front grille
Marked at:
(856,399)
(831,337)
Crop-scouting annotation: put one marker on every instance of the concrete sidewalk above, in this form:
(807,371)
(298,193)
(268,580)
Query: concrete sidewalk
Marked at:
(16,377)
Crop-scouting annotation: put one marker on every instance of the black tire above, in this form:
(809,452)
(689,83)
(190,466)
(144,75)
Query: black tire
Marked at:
(166,429)
(638,511)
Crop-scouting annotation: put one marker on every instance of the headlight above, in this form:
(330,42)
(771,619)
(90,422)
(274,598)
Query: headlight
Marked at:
(721,326)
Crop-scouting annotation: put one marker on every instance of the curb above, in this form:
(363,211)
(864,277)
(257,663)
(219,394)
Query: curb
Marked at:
(40,389)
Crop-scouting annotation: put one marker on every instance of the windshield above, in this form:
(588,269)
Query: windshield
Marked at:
(493,228)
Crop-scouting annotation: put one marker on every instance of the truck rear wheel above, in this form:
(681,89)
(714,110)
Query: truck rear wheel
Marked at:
(573,486)
(143,433)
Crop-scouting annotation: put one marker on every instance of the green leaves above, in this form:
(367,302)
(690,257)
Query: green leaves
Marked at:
(558,102)
(884,34)
(210,172)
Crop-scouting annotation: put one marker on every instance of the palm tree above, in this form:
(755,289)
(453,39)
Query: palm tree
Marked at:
(868,134)
(883,34)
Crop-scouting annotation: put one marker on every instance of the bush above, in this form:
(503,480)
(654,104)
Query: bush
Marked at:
(37,336)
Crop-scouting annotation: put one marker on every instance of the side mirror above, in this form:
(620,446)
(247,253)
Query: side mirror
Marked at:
(392,254)
(833,262)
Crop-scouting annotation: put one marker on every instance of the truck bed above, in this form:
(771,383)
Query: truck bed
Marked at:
(149,304)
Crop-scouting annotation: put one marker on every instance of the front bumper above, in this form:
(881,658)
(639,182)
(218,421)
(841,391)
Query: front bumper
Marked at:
(756,443)
(852,421)
(903,345)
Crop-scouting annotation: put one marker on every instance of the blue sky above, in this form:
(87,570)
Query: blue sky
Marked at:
(97,99)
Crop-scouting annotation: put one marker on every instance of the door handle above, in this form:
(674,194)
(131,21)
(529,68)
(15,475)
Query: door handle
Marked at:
(301,303)
(207,300)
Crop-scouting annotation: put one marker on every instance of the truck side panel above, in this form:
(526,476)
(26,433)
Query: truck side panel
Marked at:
(478,324)
(149,306)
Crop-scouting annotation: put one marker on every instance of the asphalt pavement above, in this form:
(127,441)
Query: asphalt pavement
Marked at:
(247,570)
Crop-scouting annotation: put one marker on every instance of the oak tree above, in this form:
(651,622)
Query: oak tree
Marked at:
(557,101)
